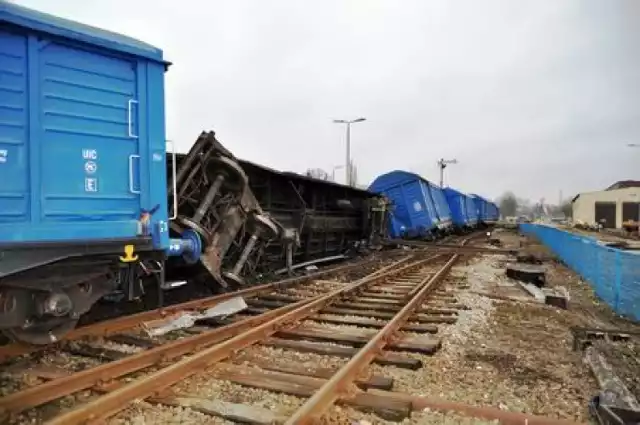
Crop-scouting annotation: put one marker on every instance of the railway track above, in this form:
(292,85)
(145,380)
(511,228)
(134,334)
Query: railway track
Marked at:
(377,312)
(37,375)
(305,349)
(109,328)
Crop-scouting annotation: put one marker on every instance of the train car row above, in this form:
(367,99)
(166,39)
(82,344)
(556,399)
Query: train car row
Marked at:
(88,209)
(422,210)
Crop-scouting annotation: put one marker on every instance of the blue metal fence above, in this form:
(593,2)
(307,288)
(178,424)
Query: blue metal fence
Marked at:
(613,273)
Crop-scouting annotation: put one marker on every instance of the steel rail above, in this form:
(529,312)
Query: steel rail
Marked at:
(120,324)
(112,402)
(339,385)
(57,388)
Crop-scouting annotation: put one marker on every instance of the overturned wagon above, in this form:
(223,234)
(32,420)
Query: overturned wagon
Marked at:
(252,220)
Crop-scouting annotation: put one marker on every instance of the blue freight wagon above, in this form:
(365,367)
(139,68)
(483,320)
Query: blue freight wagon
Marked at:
(441,206)
(472,211)
(481,207)
(413,213)
(458,207)
(83,193)
(488,212)
(493,213)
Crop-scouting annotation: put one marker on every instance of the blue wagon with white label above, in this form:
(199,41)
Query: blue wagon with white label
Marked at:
(83,200)
(414,213)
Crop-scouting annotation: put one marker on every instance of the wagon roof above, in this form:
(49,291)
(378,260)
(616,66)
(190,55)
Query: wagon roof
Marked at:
(45,23)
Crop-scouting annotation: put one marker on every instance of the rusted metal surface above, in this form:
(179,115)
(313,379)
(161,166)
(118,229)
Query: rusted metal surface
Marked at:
(259,329)
(254,220)
(38,395)
(120,324)
(339,385)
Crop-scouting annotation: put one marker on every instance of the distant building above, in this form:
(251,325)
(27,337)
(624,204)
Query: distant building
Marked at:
(611,207)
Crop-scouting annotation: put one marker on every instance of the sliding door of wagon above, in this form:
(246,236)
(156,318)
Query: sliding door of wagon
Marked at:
(90,161)
(14,154)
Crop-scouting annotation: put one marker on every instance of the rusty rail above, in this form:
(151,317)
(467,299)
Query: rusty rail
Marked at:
(97,376)
(111,403)
(120,324)
(342,382)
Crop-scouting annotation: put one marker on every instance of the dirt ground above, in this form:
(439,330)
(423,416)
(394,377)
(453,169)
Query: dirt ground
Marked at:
(513,355)
(624,356)
(509,351)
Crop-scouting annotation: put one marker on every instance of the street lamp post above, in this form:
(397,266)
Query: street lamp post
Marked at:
(442,163)
(348,153)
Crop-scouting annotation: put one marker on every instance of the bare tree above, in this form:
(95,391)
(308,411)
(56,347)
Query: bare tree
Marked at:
(317,173)
(508,204)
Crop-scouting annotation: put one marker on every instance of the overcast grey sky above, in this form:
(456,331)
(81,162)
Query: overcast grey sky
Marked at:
(532,96)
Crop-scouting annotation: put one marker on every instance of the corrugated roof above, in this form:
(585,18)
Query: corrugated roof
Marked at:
(43,22)
(623,184)
(398,177)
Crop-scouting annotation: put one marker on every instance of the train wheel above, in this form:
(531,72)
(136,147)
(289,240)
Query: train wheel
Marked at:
(24,324)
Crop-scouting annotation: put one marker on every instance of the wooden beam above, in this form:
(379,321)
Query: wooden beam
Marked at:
(386,359)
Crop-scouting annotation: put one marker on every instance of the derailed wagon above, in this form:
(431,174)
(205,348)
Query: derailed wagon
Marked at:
(488,212)
(419,208)
(255,221)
